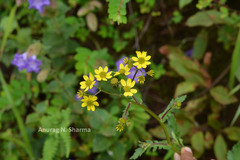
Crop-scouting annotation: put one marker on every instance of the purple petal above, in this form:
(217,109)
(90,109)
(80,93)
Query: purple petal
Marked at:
(20,61)
(189,52)
(38,4)
(33,64)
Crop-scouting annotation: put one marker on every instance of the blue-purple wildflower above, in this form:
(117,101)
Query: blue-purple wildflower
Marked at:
(189,52)
(31,64)
(132,70)
(38,4)
(20,61)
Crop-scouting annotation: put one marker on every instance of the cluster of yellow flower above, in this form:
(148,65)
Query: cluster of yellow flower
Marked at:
(102,74)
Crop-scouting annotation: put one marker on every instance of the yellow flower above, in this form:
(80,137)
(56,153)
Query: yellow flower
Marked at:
(123,70)
(88,83)
(127,85)
(141,61)
(80,93)
(122,121)
(141,79)
(125,60)
(150,73)
(103,74)
(90,102)
(119,127)
(114,81)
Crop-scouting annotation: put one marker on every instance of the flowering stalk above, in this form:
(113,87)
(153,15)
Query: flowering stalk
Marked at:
(160,122)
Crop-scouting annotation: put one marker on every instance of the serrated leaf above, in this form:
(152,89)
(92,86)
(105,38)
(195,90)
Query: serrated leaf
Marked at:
(220,148)
(138,152)
(222,96)
(234,154)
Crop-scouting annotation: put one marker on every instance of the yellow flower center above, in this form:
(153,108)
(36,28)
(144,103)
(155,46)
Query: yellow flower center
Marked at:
(89,103)
(88,82)
(102,74)
(141,60)
(127,88)
(121,71)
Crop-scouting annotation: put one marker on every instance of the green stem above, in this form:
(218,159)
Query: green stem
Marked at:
(7,29)
(160,122)
(18,117)
(107,92)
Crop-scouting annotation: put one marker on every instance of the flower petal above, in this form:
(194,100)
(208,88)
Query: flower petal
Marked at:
(106,69)
(96,71)
(134,58)
(94,98)
(133,90)
(123,82)
(96,103)
(129,82)
(138,54)
(148,58)
(85,77)
(91,76)
(144,54)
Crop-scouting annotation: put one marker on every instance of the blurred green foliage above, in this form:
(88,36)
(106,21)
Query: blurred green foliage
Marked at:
(78,36)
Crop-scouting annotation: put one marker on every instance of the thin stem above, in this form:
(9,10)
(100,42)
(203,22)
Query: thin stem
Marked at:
(160,122)
(107,92)
(135,99)
(18,117)
(98,92)
(135,75)
(166,113)
(125,114)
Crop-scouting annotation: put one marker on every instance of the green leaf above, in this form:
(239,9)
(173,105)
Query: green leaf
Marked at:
(188,69)
(222,96)
(98,118)
(171,108)
(117,10)
(234,154)
(197,142)
(137,153)
(183,3)
(220,148)
(233,133)
(50,147)
(184,87)
(236,116)
(200,44)
(66,139)
(32,118)
(101,143)
(235,65)
(205,18)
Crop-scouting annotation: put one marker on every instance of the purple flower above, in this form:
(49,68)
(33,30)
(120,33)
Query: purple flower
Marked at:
(132,70)
(189,52)
(76,98)
(20,61)
(139,73)
(38,4)
(94,89)
(33,64)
